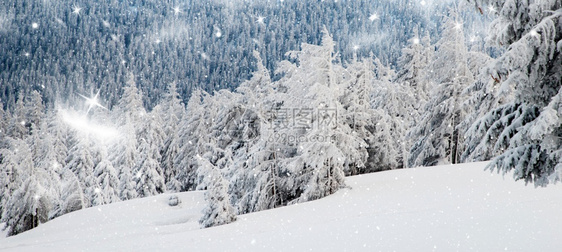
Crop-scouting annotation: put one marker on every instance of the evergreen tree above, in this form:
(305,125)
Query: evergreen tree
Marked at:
(414,66)
(106,189)
(124,157)
(437,137)
(525,129)
(172,113)
(218,210)
(395,111)
(148,174)
(27,207)
(81,162)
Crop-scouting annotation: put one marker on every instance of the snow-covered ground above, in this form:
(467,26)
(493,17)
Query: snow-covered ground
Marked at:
(444,208)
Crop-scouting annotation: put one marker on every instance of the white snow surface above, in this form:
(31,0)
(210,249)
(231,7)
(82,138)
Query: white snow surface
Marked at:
(443,208)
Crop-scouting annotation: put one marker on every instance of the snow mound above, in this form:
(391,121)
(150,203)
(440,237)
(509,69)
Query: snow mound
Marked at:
(444,208)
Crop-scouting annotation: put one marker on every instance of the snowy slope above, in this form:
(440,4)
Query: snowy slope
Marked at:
(445,208)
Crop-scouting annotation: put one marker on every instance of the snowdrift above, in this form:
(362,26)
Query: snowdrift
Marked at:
(444,208)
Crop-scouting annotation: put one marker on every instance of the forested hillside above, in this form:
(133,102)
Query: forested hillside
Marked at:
(269,122)
(64,48)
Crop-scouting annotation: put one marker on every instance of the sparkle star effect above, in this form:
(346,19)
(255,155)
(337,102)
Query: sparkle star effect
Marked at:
(374,17)
(76,10)
(176,10)
(261,19)
(458,26)
(93,101)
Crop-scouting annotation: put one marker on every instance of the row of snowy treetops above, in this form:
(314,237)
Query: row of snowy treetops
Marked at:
(274,143)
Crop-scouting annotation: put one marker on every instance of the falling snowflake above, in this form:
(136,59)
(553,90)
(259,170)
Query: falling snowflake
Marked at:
(34,25)
(416,41)
(105,23)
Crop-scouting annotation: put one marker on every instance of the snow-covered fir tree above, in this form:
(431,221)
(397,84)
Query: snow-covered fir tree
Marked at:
(395,111)
(81,162)
(147,174)
(414,67)
(124,156)
(218,211)
(193,132)
(526,129)
(172,111)
(437,137)
(106,188)
(312,95)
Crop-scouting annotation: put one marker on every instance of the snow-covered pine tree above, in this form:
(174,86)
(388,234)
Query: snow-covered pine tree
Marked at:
(358,113)
(312,94)
(124,156)
(527,129)
(71,195)
(17,128)
(193,132)
(81,162)
(253,175)
(414,67)
(3,126)
(34,108)
(148,176)
(437,137)
(35,189)
(106,189)
(11,174)
(172,113)
(27,207)
(130,107)
(395,111)
(218,211)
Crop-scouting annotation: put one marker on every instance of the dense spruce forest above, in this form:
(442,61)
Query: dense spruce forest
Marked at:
(65,48)
(266,103)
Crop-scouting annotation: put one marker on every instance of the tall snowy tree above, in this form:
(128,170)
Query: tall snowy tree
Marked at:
(414,66)
(106,188)
(192,134)
(172,113)
(28,207)
(81,162)
(437,137)
(124,156)
(148,175)
(218,211)
(526,129)
(312,94)
(395,111)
